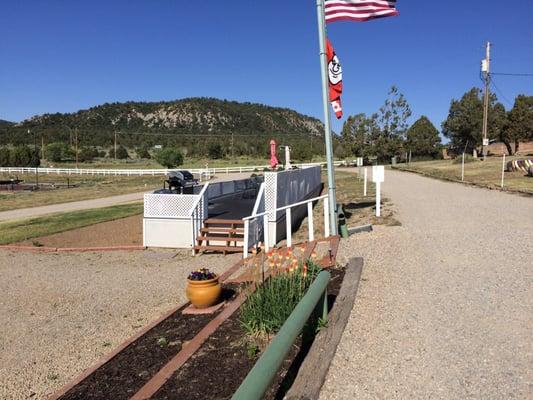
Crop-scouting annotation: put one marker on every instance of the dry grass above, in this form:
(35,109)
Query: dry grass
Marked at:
(359,210)
(87,187)
(24,229)
(484,173)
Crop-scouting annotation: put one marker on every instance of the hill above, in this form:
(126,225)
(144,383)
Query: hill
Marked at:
(4,123)
(179,122)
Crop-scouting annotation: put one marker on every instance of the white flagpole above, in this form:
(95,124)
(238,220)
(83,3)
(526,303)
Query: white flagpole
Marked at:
(327,123)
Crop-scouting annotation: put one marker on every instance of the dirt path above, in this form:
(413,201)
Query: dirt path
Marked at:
(444,309)
(94,203)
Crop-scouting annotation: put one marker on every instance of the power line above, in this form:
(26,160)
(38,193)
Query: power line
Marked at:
(501,93)
(509,74)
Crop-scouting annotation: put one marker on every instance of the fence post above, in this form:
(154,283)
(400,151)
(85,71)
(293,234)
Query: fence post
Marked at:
(463,168)
(503,169)
(246,238)
(378,199)
(310,221)
(364,185)
(288,225)
(326,217)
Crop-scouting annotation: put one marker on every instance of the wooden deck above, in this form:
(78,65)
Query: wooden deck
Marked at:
(322,251)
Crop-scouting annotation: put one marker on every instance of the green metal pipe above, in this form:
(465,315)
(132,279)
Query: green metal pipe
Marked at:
(258,380)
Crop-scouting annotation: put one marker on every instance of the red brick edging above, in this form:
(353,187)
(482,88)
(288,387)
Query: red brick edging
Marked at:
(45,249)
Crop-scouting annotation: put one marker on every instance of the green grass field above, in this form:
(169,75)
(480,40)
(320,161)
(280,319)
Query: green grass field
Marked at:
(483,173)
(188,163)
(24,229)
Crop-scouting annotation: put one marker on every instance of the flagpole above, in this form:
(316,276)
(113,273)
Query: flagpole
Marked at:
(327,122)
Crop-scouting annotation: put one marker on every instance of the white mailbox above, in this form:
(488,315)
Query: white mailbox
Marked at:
(359,161)
(378,173)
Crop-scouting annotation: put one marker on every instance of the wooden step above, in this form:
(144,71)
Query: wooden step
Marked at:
(222,230)
(225,249)
(223,221)
(219,239)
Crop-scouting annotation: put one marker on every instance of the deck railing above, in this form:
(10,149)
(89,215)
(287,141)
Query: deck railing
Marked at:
(288,222)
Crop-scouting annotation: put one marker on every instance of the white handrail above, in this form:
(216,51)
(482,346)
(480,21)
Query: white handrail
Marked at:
(288,222)
(285,207)
(200,196)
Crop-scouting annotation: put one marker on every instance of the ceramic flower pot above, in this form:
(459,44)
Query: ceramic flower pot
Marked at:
(203,294)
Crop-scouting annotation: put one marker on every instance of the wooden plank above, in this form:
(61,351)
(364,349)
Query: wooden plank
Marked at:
(224,221)
(314,369)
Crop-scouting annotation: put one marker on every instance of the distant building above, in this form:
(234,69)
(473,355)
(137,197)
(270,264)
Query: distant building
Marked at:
(499,148)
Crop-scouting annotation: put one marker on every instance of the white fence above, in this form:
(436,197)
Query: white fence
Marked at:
(140,172)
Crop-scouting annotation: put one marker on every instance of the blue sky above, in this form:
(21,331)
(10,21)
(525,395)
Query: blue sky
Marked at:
(61,56)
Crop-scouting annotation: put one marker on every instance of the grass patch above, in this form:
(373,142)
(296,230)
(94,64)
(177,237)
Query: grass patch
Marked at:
(483,173)
(267,309)
(358,209)
(87,188)
(24,229)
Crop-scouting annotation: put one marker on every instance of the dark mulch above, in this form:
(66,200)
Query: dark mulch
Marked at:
(126,373)
(222,363)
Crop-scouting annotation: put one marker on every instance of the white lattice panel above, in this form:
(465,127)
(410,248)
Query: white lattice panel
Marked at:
(168,205)
(271,193)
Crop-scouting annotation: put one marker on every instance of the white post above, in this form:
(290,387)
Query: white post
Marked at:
(463,168)
(288,224)
(326,217)
(310,221)
(364,185)
(266,232)
(378,199)
(503,169)
(246,238)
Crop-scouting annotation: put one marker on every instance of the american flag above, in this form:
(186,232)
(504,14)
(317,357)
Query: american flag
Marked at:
(359,10)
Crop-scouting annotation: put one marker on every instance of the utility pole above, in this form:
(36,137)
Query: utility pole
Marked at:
(76,134)
(115,146)
(485,70)
(42,147)
(232,155)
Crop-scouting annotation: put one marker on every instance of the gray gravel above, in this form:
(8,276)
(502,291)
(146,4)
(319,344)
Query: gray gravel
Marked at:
(444,308)
(60,313)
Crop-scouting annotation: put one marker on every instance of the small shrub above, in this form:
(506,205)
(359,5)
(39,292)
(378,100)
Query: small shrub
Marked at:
(5,157)
(215,151)
(169,157)
(122,153)
(267,309)
(142,152)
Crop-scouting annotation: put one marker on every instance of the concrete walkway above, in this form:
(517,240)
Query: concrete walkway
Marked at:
(94,203)
(445,304)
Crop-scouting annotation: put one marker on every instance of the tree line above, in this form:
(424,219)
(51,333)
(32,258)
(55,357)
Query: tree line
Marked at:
(463,127)
(386,133)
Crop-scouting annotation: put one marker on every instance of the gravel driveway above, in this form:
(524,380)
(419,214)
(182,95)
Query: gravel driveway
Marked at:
(444,308)
(60,313)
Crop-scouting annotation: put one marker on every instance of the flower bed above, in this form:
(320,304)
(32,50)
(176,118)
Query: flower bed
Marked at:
(224,356)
